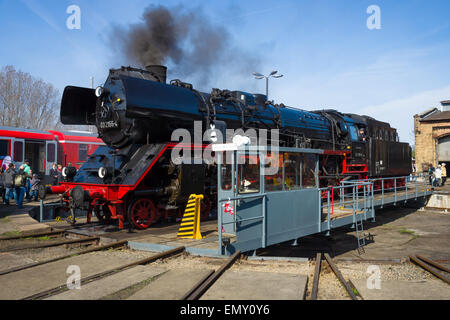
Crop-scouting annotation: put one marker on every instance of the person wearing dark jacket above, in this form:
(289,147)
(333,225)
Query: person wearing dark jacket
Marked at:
(2,183)
(34,185)
(54,174)
(9,183)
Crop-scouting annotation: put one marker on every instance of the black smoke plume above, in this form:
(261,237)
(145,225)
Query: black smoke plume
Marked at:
(184,39)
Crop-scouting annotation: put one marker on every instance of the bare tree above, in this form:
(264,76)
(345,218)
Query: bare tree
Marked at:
(26,101)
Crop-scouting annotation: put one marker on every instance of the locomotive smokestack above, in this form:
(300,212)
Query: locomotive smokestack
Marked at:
(159,72)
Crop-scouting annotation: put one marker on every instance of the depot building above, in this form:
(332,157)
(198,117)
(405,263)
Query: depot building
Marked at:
(432,135)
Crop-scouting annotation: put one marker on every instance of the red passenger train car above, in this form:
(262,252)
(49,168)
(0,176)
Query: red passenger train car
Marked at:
(43,148)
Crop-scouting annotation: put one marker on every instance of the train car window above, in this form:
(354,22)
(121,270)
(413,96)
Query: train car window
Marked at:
(292,171)
(4,148)
(51,152)
(248,174)
(83,152)
(274,168)
(18,151)
(309,171)
(386,136)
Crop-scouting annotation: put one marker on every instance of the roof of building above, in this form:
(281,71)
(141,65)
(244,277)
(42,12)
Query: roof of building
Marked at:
(437,116)
(427,112)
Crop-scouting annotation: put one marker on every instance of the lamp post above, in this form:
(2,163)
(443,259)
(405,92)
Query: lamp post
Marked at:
(273,74)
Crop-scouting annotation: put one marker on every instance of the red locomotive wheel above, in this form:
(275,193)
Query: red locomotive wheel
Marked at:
(142,212)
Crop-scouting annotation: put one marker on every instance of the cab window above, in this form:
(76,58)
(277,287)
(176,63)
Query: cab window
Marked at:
(353,133)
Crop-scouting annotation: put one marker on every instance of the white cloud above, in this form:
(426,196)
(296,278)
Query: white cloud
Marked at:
(400,112)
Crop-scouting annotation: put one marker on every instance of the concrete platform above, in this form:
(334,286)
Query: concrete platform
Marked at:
(20,222)
(112,284)
(160,237)
(10,260)
(233,285)
(172,285)
(405,290)
(439,200)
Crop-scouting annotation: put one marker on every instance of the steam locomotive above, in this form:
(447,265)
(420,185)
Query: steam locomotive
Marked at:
(134,177)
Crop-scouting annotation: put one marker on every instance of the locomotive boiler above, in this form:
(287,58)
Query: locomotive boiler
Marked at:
(133,177)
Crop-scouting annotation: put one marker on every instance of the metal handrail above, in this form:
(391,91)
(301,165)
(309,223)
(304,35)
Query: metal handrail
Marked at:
(344,201)
(395,189)
(262,217)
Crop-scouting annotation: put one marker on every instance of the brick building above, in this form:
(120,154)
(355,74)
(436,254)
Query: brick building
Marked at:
(432,135)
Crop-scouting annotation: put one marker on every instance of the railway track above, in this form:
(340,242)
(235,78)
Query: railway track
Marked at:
(42,240)
(101,270)
(204,284)
(347,284)
(101,275)
(434,268)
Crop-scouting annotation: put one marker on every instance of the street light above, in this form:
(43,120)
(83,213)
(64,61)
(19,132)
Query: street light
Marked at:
(273,74)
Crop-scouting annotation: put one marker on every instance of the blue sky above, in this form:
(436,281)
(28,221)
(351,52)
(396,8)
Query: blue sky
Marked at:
(328,56)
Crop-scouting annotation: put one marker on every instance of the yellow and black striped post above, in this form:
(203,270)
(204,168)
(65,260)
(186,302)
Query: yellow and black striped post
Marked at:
(190,225)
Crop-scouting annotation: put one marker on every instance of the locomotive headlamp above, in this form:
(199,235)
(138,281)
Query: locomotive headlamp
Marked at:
(100,91)
(69,172)
(102,172)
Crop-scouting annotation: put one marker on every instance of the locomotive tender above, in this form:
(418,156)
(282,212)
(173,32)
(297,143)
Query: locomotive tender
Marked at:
(136,112)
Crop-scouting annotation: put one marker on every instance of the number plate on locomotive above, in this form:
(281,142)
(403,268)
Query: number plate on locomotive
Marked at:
(109,124)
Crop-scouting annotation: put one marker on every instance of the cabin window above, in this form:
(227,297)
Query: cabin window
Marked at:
(82,152)
(274,172)
(4,148)
(291,171)
(51,152)
(248,174)
(226,177)
(309,171)
(18,151)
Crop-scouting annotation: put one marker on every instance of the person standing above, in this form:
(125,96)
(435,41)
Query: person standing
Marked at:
(9,183)
(60,176)
(444,174)
(431,174)
(438,175)
(2,183)
(20,184)
(35,182)
(27,170)
(54,174)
